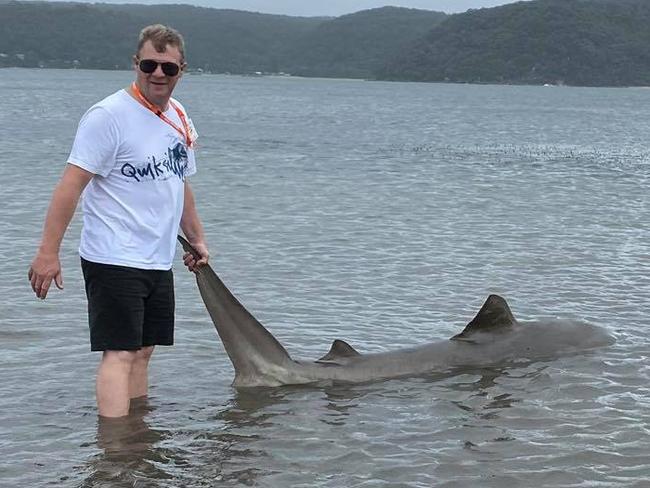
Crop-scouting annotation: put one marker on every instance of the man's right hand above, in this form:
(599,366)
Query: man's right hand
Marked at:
(46,266)
(44,269)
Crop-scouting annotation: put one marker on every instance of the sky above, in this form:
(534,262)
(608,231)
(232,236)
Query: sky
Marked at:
(312,8)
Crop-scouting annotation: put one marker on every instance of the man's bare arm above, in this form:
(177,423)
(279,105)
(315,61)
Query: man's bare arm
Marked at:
(46,265)
(193,230)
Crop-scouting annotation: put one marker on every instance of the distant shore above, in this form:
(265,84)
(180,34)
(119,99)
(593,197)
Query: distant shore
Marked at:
(537,42)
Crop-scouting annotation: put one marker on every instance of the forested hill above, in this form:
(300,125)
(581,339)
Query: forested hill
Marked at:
(103,36)
(358,45)
(575,42)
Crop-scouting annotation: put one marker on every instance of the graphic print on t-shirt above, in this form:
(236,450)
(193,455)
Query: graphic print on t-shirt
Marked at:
(174,163)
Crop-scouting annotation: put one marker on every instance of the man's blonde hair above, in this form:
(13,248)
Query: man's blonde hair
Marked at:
(162,36)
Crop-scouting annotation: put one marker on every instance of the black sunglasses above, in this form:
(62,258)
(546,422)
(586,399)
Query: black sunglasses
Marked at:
(149,66)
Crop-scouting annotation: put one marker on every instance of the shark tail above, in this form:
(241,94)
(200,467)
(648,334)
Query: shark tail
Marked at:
(251,347)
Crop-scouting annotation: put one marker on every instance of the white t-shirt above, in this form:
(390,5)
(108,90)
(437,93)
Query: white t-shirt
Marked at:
(133,205)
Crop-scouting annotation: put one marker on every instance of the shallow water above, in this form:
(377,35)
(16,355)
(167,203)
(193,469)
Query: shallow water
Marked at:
(379,213)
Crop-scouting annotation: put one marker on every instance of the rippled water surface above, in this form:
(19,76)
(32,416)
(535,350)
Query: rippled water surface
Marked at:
(379,213)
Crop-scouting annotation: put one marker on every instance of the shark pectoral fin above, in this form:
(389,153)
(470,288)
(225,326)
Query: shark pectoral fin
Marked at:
(494,316)
(339,350)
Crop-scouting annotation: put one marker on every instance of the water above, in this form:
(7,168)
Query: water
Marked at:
(379,213)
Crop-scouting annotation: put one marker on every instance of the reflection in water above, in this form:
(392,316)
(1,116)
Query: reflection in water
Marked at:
(228,449)
(242,446)
(229,452)
(130,451)
(484,400)
(341,399)
(481,389)
(243,443)
(256,407)
(247,407)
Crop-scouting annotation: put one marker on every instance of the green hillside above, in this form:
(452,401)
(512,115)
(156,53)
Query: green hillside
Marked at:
(576,42)
(103,36)
(55,35)
(357,45)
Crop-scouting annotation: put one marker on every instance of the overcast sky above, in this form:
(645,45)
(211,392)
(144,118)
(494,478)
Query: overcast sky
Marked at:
(328,7)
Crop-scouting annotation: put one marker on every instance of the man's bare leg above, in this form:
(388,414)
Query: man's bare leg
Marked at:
(113,375)
(139,378)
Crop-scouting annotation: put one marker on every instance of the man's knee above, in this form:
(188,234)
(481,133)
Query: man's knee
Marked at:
(119,359)
(144,354)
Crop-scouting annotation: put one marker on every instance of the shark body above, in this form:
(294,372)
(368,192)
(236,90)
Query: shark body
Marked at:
(493,337)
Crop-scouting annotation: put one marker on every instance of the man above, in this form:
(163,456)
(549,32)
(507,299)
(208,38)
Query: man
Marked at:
(131,156)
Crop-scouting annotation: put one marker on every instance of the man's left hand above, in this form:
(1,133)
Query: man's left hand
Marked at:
(191,262)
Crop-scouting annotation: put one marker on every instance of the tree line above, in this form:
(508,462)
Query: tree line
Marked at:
(576,42)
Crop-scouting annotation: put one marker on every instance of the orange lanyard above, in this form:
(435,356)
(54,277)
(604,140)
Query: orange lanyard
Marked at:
(185,132)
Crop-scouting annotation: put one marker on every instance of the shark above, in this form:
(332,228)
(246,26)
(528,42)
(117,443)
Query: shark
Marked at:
(491,338)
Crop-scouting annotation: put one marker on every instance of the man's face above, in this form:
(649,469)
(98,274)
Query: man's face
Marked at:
(157,87)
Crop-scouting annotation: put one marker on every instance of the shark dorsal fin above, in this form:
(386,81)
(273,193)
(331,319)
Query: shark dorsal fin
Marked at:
(494,316)
(339,350)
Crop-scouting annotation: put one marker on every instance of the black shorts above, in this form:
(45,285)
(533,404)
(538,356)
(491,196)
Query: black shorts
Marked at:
(128,308)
